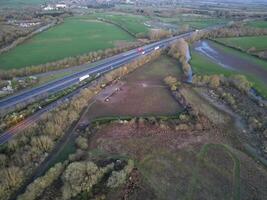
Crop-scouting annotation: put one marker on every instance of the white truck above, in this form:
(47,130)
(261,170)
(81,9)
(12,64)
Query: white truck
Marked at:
(84,77)
(156,48)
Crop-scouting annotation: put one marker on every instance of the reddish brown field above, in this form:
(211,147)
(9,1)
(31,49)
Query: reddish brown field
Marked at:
(142,92)
(189,164)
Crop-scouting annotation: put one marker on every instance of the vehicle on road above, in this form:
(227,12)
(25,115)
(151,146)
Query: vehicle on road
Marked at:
(84,77)
(140,50)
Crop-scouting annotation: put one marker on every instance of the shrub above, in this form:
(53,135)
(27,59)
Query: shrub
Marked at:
(240,82)
(214,81)
(172,82)
(43,143)
(36,188)
(81,142)
(12,178)
(3,159)
(117,178)
(81,177)
(179,49)
(157,34)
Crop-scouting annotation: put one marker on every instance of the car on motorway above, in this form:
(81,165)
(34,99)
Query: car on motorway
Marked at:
(156,48)
(140,50)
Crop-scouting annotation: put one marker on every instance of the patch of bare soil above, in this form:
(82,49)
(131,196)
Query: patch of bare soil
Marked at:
(142,92)
(138,139)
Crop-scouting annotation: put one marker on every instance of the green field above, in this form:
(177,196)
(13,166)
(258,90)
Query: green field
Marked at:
(133,23)
(20,3)
(194,21)
(258,24)
(245,43)
(74,37)
(202,65)
(241,55)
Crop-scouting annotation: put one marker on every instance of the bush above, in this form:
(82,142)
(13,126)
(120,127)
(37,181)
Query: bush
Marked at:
(157,34)
(240,82)
(12,178)
(117,178)
(82,143)
(214,81)
(36,188)
(81,177)
(43,143)
(179,49)
(3,159)
(172,82)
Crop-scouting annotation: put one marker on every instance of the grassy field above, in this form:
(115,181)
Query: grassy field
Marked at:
(20,3)
(258,24)
(133,23)
(202,65)
(174,166)
(194,21)
(241,55)
(245,43)
(75,36)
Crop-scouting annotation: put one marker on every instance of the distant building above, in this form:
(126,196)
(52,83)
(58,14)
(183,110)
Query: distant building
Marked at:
(61,6)
(49,7)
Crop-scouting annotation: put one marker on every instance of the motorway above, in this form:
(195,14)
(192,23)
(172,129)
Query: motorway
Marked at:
(109,64)
(60,84)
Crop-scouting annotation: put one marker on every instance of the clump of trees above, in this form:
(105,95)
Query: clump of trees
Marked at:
(82,143)
(179,50)
(36,188)
(23,153)
(66,62)
(235,30)
(212,81)
(157,34)
(12,177)
(172,82)
(238,81)
(81,177)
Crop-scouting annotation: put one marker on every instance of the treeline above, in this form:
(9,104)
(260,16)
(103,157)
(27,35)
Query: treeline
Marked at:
(158,34)
(237,31)
(239,82)
(153,34)
(180,51)
(252,50)
(20,156)
(66,62)
(121,27)
(232,31)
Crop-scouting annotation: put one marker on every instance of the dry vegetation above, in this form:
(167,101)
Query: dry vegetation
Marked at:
(26,151)
(179,50)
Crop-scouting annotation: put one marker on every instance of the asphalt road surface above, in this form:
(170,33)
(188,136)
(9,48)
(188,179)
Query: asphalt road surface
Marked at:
(32,95)
(60,84)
